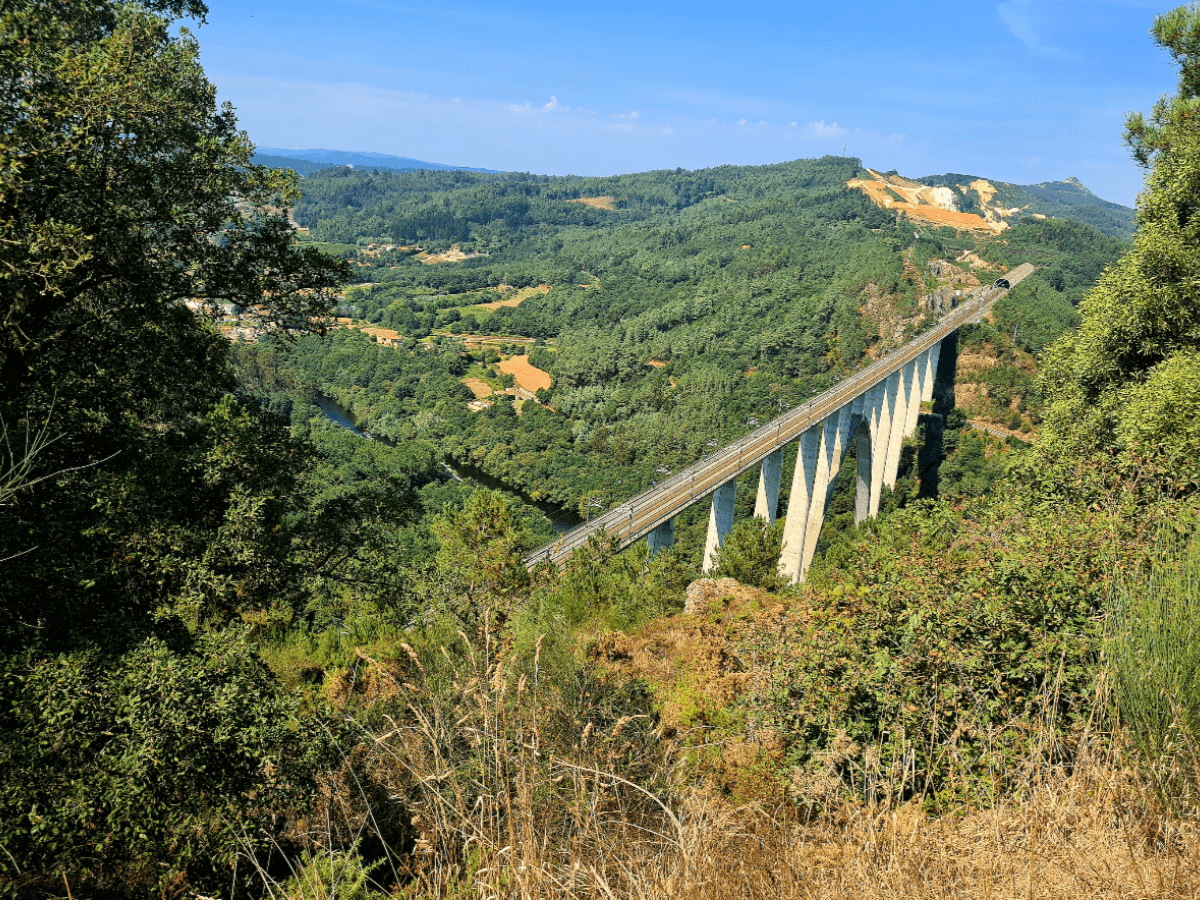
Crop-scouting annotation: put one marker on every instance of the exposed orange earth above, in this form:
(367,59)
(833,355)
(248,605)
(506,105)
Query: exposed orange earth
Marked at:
(596,202)
(657,363)
(929,204)
(526,375)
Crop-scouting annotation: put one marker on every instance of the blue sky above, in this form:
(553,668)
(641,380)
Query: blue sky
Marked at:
(1022,90)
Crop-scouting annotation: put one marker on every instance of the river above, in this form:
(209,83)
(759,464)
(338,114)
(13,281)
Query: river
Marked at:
(561,518)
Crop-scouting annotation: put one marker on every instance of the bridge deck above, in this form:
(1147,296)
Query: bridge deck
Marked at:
(638,516)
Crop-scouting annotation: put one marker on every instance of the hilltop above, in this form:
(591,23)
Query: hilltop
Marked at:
(991,207)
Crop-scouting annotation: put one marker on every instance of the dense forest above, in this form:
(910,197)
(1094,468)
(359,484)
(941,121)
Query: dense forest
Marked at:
(699,304)
(247,652)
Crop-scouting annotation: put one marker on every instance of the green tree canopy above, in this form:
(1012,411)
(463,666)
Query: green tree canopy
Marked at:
(146,512)
(1138,345)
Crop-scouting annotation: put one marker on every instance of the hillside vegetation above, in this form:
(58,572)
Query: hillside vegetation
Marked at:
(700,304)
(246,652)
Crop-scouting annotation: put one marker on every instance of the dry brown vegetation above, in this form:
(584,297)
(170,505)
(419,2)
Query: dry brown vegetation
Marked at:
(489,784)
(596,202)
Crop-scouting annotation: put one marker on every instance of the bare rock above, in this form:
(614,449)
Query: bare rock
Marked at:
(702,593)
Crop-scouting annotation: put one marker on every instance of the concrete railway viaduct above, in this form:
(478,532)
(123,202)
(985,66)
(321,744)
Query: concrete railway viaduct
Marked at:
(877,408)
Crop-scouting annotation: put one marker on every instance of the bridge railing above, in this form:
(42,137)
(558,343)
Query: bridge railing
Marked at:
(753,447)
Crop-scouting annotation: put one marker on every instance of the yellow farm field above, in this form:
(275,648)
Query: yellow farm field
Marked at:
(526,375)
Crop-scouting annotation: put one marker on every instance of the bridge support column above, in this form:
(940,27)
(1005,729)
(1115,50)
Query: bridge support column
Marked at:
(869,449)
(905,397)
(862,493)
(835,433)
(796,525)
(768,487)
(921,364)
(661,537)
(932,355)
(853,414)
(881,439)
(720,520)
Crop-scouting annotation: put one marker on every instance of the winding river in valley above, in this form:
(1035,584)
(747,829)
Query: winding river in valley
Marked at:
(561,518)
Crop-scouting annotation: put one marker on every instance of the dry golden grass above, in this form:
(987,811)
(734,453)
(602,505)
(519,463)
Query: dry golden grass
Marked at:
(487,783)
(481,389)
(596,202)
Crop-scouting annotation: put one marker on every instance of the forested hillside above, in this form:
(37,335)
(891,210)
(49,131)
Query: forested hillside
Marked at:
(672,309)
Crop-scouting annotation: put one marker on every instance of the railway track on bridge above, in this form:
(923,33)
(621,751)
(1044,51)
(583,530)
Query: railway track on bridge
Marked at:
(635,518)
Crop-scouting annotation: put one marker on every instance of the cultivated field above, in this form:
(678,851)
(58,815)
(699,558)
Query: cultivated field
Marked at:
(526,375)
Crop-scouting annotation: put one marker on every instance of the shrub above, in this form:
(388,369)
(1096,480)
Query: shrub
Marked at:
(935,647)
(750,554)
(330,875)
(1154,649)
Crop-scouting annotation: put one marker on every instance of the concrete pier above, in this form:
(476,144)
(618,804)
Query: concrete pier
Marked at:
(720,520)
(768,487)
(661,537)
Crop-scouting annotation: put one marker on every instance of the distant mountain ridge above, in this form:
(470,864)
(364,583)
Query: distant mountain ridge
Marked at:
(962,201)
(313,160)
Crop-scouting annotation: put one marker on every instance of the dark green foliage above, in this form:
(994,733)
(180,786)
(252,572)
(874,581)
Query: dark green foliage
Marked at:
(936,640)
(619,590)
(750,554)
(160,519)
(176,752)
(1070,258)
(1127,378)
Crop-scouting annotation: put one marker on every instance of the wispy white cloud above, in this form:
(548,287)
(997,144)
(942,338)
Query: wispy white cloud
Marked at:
(1021,17)
(819,129)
